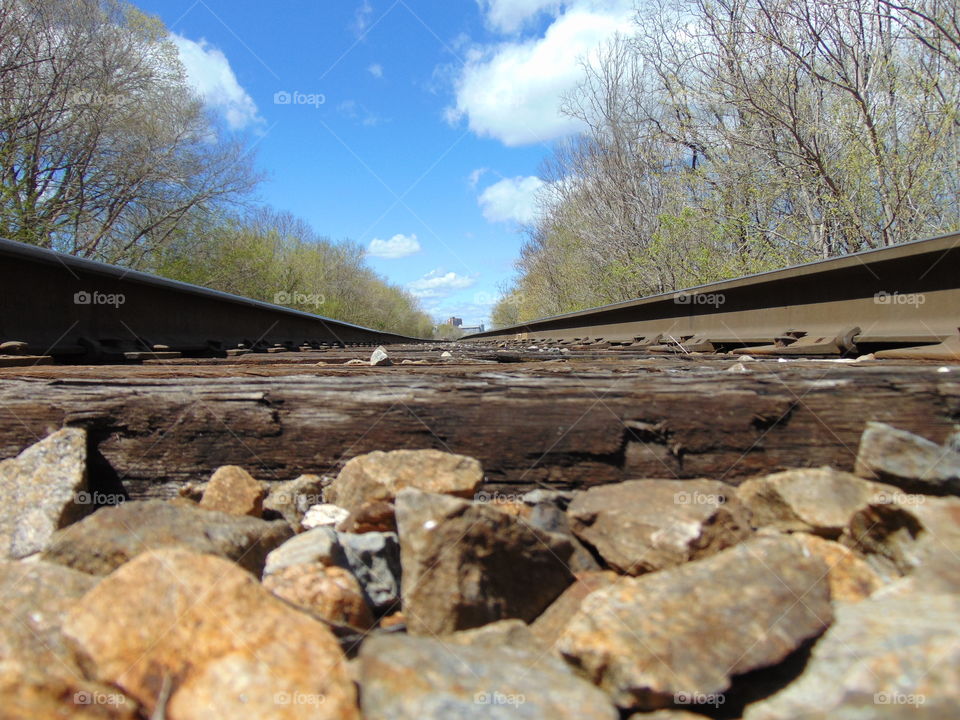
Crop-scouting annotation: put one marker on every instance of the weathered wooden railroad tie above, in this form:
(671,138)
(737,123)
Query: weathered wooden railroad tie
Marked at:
(543,418)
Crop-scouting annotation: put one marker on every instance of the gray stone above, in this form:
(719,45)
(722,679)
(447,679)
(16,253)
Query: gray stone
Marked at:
(414,678)
(503,633)
(908,461)
(374,559)
(380,357)
(688,630)
(548,513)
(883,657)
(642,525)
(467,564)
(319,545)
(42,490)
(102,542)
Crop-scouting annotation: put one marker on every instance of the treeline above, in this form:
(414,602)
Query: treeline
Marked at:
(107,153)
(725,137)
(279,258)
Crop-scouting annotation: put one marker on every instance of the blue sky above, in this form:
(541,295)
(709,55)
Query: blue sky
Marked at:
(415,128)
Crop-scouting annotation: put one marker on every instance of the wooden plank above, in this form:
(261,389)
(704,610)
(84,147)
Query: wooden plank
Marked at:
(555,423)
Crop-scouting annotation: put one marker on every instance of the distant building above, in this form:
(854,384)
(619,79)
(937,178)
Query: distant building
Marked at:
(455,321)
(473,329)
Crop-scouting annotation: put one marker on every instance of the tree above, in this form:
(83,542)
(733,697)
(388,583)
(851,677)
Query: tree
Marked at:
(104,149)
(726,137)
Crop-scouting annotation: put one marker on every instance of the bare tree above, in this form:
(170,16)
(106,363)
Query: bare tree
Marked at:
(104,149)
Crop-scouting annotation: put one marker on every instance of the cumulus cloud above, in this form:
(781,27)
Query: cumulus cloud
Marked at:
(510,15)
(437,284)
(376,70)
(512,91)
(396,247)
(209,73)
(512,199)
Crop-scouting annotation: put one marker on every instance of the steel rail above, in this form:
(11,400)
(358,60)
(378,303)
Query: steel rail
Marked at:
(62,305)
(899,296)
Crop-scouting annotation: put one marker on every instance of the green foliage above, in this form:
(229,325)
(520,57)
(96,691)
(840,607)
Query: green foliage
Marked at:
(277,258)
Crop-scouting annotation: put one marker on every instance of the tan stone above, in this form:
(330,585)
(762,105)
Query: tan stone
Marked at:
(375,516)
(817,500)
(548,627)
(234,491)
(851,578)
(226,646)
(638,526)
(40,676)
(379,476)
(333,593)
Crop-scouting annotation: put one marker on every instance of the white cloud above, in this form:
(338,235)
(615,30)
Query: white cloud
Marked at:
(376,70)
(361,18)
(209,73)
(512,199)
(437,284)
(512,91)
(475,176)
(509,15)
(396,247)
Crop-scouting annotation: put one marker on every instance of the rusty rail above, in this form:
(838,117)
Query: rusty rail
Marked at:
(901,301)
(58,305)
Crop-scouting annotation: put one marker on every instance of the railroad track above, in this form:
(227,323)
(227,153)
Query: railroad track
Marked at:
(902,301)
(57,306)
